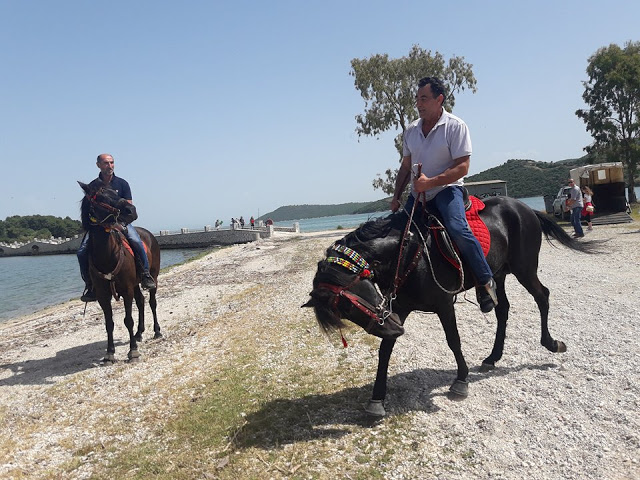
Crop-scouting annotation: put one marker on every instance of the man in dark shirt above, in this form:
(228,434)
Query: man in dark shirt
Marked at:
(107,178)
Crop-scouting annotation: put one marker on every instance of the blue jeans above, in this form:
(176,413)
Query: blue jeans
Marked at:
(576,212)
(449,202)
(136,245)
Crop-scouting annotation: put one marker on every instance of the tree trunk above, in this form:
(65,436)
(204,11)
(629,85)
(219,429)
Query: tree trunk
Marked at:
(631,193)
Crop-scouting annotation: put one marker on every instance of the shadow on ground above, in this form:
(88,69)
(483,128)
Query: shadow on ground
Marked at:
(284,421)
(65,362)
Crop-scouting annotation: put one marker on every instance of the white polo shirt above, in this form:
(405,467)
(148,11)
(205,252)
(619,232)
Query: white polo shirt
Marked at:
(448,139)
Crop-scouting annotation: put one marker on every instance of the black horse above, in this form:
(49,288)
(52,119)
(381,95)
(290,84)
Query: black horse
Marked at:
(113,266)
(375,279)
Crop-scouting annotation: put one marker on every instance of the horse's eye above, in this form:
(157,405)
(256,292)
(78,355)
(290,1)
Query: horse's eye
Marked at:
(375,263)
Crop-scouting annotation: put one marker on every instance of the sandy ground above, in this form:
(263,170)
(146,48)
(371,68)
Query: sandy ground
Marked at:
(538,415)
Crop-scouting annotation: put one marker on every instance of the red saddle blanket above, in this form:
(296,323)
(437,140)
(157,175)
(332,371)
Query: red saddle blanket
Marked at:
(126,244)
(477,226)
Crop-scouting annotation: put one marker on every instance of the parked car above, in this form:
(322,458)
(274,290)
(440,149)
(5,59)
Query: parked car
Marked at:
(560,203)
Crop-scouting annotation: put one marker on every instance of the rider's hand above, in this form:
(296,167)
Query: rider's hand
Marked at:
(395,204)
(422,183)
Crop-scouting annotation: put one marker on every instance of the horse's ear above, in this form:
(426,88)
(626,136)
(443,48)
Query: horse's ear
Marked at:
(84,187)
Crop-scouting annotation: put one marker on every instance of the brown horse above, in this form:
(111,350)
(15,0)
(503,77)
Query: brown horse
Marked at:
(112,265)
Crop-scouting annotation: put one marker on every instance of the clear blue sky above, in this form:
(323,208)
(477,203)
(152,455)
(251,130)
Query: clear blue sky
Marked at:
(220,109)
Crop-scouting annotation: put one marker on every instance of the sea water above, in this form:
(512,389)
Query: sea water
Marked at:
(349,222)
(28,284)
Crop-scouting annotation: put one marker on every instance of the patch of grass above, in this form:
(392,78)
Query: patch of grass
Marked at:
(278,405)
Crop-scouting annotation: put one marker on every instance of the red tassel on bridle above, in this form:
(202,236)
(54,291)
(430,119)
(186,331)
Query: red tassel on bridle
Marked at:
(344,340)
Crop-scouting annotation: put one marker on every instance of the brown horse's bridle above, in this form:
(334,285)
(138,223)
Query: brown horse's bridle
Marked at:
(113,211)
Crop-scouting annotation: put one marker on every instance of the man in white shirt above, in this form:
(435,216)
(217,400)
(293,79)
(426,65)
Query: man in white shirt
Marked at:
(440,143)
(574,202)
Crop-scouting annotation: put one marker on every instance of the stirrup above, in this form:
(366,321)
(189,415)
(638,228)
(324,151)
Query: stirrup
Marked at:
(486,295)
(88,296)
(147,281)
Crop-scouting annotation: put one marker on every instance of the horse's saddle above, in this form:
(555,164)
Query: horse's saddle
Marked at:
(473,206)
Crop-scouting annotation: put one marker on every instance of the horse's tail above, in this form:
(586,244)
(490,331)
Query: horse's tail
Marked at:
(552,230)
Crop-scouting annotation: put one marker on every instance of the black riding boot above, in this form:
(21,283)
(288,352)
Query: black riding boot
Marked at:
(147,281)
(89,295)
(486,295)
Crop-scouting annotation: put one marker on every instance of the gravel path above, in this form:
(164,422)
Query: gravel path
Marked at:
(537,416)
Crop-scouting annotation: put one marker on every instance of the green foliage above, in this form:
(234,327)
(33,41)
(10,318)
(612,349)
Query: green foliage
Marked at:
(613,96)
(388,88)
(297,212)
(528,178)
(24,229)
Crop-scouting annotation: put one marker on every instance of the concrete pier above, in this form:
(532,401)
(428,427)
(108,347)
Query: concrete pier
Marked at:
(185,238)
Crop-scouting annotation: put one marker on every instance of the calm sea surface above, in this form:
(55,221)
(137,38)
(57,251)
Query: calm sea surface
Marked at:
(352,221)
(28,284)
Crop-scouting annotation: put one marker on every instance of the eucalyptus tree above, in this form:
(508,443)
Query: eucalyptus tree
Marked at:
(612,94)
(388,88)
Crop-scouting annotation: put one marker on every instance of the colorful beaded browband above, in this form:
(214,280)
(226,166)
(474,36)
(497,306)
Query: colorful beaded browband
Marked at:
(360,266)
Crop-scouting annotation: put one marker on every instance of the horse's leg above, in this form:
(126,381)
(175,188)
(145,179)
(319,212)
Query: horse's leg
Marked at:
(128,322)
(502,314)
(153,303)
(447,317)
(540,294)
(105,304)
(137,294)
(375,406)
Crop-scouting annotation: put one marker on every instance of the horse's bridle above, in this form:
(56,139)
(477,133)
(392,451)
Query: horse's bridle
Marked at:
(361,268)
(113,211)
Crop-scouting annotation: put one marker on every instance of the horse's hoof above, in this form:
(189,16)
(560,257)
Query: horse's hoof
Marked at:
(560,347)
(460,388)
(157,335)
(375,408)
(109,359)
(138,337)
(134,355)
(486,367)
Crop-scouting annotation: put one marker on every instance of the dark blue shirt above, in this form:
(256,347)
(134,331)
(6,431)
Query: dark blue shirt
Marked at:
(120,185)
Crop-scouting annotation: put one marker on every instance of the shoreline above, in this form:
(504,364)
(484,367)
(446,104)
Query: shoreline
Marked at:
(49,309)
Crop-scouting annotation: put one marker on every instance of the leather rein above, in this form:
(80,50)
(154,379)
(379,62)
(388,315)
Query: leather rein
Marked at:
(361,267)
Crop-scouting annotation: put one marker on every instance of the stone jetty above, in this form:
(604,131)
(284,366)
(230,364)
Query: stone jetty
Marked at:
(185,238)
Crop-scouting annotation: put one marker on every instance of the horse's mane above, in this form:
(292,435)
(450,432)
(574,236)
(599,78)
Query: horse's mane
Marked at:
(377,228)
(84,213)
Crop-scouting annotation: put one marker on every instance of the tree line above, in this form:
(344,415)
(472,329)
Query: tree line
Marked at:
(25,228)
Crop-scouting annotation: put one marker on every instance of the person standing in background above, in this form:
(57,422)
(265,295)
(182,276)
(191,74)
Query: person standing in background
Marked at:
(589,207)
(574,202)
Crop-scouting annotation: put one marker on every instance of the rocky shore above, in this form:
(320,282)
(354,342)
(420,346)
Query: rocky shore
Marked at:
(537,416)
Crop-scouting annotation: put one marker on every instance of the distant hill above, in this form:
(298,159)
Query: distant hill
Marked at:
(525,178)
(296,212)
(528,178)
